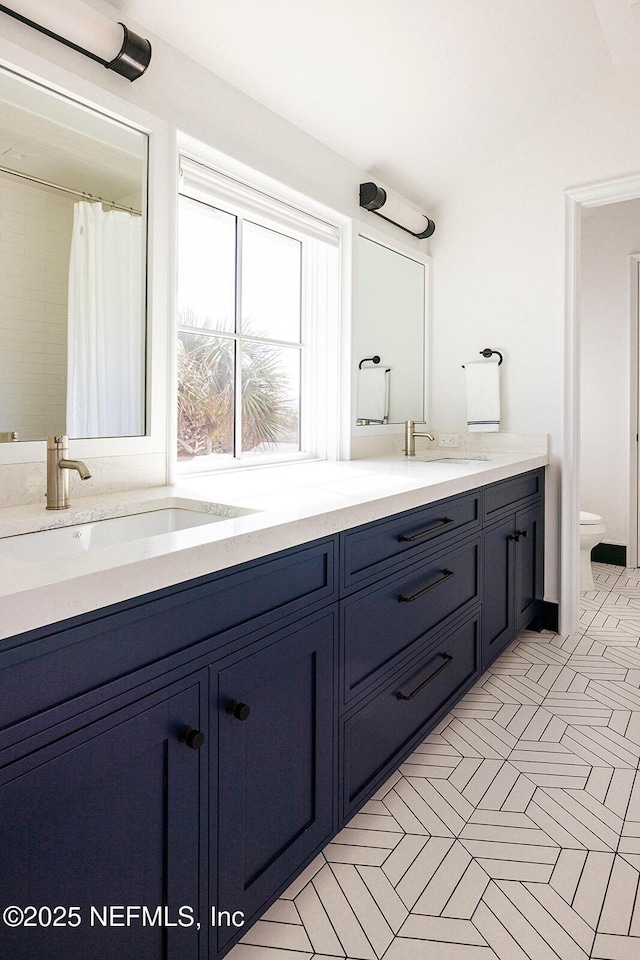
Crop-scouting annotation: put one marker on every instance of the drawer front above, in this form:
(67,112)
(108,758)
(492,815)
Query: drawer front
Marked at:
(379,735)
(63,665)
(508,495)
(385,621)
(368,551)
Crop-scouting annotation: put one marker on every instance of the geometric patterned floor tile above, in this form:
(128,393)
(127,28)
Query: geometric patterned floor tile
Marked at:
(616,948)
(246,952)
(511,833)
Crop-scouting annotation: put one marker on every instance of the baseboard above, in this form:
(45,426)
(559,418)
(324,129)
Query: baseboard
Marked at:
(549,616)
(610,553)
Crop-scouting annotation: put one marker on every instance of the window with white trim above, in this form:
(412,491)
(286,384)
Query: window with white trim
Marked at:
(258,295)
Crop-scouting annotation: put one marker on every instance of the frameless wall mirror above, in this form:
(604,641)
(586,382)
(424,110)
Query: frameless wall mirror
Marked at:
(73,196)
(389,323)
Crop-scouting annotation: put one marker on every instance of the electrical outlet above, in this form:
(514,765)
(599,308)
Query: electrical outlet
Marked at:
(448,440)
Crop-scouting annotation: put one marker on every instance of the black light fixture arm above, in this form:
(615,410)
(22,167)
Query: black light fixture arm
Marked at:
(131,61)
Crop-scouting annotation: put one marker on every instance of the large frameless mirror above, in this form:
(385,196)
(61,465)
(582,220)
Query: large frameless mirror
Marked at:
(389,333)
(73,235)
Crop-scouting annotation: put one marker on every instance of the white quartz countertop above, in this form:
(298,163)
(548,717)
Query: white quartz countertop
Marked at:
(284,506)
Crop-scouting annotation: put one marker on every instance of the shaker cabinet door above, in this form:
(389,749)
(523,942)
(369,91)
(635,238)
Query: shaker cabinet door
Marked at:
(101,822)
(513,578)
(530,560)
(275,765)
(499,597)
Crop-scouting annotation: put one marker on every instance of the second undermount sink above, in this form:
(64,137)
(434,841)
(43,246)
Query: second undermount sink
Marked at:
(77,539)
(449,460)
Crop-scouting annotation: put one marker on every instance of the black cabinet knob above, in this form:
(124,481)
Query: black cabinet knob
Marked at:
(192,738)
(238,710)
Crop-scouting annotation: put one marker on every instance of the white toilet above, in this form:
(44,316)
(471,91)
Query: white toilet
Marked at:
(592,530)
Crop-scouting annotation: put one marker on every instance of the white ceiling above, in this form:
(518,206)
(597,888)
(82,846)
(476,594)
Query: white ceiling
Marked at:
(416,92)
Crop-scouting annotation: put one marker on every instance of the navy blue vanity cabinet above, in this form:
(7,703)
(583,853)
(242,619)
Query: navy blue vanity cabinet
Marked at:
(410,636)
(513,560)
(274,709)
(108,817)
(195,748)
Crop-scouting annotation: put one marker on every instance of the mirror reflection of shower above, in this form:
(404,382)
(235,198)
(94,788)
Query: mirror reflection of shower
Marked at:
(72,274)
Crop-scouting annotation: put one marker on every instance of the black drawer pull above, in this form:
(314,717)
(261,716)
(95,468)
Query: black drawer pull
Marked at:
(447,576)
(516,536)
(414,693)
(427,532)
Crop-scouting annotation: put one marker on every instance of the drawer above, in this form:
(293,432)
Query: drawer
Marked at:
(44,669)
(370,550)
(385,621)
(509,495)
(379,735)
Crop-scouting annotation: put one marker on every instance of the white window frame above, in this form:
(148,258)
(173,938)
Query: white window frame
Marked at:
(276,208)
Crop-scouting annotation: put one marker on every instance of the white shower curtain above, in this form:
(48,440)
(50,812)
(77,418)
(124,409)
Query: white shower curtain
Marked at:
(105,372)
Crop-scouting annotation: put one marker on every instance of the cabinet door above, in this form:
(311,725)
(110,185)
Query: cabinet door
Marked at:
(103,820)
(498,609)
(275,768)
(529,560)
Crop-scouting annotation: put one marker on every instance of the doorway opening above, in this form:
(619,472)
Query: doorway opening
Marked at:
(615,420)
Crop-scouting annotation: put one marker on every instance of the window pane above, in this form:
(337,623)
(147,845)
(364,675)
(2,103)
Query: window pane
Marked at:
(270,399)
(205,395)
(270,284)
(206,267)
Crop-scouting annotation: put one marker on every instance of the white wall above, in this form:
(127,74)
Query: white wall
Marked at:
(499,274)
(608,235)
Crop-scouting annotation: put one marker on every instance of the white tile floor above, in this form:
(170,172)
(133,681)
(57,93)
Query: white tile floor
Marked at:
(513,831)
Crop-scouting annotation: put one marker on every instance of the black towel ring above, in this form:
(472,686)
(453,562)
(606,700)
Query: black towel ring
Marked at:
(375,359)
(488,353)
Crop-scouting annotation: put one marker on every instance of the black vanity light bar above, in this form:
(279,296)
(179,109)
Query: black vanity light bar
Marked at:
(130,61)
(396,211)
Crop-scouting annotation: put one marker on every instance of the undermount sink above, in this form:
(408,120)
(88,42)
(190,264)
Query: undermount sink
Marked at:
(449,460)
(79,538)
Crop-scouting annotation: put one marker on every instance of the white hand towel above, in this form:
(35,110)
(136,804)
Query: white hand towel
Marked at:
(483,396)
(373,394)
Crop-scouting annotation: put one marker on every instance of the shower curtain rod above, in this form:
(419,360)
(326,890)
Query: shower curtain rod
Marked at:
(74,193)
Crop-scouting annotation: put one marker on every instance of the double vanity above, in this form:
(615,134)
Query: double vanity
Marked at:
(192,706)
